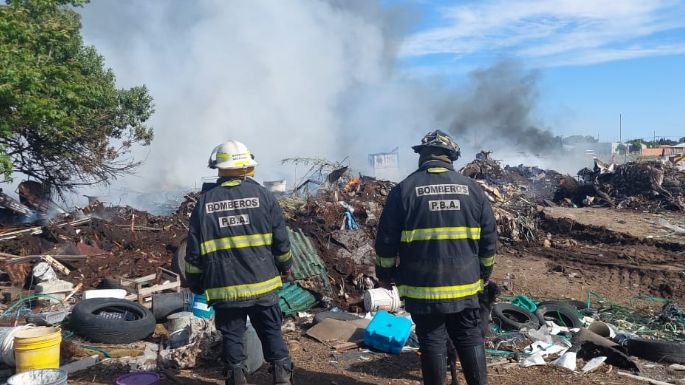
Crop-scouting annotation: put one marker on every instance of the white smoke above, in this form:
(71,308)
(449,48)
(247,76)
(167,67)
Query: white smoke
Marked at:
(289,79)
(302,78)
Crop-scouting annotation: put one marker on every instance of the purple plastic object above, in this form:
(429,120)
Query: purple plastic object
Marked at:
(138,378)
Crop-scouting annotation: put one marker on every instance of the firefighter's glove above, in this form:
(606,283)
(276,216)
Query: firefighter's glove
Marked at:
(287,276)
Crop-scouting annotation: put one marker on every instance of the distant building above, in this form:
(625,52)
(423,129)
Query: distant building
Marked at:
(664,150)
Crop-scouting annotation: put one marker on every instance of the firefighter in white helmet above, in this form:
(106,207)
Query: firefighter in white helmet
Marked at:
(237,250)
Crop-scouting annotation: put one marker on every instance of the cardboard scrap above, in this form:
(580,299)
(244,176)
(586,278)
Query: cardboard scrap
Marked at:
(332,330)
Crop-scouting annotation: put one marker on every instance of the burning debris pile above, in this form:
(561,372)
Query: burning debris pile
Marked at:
(106,243)
(335,225)
(332,228)
(514,192)
(341,222)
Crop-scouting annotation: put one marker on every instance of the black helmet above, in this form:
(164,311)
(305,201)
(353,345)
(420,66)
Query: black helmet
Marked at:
(439,139)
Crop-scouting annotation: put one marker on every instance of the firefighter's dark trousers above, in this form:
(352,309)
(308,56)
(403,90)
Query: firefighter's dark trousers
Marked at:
(267,323)
(463,329)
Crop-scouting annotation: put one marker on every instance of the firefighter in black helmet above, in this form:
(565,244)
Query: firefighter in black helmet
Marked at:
(436,240)
(237,246)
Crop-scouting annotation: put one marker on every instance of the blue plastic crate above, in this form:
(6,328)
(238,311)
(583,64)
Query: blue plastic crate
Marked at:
(387,333)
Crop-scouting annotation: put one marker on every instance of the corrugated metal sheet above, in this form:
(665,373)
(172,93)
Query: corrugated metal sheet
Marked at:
(307,263)
(292,299)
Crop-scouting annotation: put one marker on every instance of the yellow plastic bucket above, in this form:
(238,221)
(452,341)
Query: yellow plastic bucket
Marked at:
(37,348)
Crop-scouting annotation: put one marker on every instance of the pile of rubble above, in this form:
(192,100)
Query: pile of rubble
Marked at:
(650,185)
(647,186)
(332,235)
(515,193)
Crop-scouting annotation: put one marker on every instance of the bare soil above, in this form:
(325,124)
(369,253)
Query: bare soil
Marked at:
(316,365)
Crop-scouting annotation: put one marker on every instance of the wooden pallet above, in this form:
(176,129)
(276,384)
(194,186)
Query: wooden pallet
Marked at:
(144,287)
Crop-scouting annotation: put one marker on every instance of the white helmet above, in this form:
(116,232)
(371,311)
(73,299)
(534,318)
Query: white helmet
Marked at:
(231,155)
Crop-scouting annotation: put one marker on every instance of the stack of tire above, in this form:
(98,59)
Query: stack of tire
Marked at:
(111,321)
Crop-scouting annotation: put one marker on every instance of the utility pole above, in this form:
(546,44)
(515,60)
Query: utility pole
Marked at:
(620,128)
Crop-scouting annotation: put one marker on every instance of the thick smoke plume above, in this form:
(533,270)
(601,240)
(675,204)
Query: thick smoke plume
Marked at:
(498,110)
(301,78)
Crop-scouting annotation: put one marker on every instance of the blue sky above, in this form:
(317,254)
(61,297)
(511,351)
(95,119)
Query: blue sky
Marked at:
(597,59)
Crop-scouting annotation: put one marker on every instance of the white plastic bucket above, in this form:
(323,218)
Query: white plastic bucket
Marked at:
(105,293)
(382,299)
(7,343)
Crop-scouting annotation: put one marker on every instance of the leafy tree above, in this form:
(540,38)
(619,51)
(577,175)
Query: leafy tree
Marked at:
(62,119)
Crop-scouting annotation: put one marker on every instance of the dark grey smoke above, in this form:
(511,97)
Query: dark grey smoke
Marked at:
(498,110)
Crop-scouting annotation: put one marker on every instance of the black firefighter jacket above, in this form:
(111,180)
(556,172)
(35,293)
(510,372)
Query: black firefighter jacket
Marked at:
(237,244)
(437,239)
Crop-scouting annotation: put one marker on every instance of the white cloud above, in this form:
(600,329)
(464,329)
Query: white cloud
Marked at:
(554,31)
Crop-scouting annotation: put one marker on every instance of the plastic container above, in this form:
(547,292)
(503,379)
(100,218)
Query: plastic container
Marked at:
(7,343)
(37,348)
(179,321)
(39,377)
(524,303)
(138,378)
(382,299)
(602,329)
(169,303)
(387,333)
(48,318)
(253,349)
(104,293)
(201,308)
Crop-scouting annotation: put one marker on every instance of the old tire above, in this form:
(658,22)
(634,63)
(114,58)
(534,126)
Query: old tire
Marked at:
(581,306)
(111,320)
(657,351)
(178,262)
(560,313)
(511,317)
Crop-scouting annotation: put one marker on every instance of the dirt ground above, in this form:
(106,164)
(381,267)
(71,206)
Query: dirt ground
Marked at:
(532,271)
(316,365)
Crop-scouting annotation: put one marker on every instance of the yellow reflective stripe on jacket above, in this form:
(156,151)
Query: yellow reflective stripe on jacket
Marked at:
(440,233)
(238,292)
(487,261)
(437,170)
(440,292)
(385,262)
(235,242)
(284,257)
(192,269)
(232,183)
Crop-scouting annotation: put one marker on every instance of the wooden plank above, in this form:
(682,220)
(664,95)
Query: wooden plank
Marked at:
(56,265)
(345,346)
(76,289)
(153,289)
(66,258)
